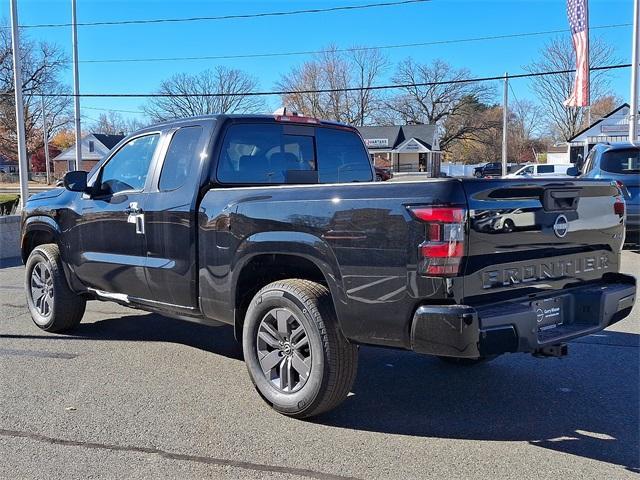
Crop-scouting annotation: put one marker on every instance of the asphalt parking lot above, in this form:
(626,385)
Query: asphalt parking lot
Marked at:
(136,395)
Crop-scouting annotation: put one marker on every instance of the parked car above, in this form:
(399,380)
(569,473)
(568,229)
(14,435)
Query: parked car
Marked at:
(273,225)
(619,162)
(492,169)
(383,174)
(541,169)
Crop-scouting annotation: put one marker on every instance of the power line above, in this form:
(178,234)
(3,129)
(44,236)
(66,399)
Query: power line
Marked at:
(228,17)
(350,49)
(112,110)
(326,90)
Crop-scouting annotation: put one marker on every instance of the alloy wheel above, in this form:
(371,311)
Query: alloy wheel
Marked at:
(283,349)
(42,289)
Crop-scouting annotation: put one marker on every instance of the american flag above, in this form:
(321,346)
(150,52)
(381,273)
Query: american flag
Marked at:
(577,11)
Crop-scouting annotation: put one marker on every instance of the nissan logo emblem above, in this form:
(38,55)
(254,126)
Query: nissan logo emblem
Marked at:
(561,226)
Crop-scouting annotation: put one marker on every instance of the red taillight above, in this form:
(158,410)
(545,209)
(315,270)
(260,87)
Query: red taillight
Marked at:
(618,207)
(443,249)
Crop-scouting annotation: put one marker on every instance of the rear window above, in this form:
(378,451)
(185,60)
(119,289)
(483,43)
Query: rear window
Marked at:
(342,157)
(621,162)
(263,154)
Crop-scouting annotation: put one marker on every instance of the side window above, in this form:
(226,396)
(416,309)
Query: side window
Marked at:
(545,169)
(181,156)
(128,168)
(341,157)
(263,153)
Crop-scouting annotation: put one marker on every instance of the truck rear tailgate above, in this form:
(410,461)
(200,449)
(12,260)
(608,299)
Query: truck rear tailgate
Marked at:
(535,236)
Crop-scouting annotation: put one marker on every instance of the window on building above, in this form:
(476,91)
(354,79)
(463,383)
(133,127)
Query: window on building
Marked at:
(92,146)
(181,158)
(128,168)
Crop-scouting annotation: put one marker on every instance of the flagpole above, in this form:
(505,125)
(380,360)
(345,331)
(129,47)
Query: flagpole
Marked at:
(635,59)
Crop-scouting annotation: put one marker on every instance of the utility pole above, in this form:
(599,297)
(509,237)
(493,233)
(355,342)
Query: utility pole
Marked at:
(635,59)
(76,85)
(505,113)
(45,135)
(17,82)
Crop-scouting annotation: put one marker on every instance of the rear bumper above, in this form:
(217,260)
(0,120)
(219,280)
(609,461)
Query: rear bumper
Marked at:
(522,325)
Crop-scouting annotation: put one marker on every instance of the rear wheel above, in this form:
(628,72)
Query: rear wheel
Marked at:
(54,307)
(296,355)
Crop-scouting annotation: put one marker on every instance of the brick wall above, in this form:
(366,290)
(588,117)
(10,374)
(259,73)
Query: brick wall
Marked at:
(60,167)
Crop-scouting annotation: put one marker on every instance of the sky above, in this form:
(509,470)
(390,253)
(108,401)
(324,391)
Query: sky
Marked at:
(411,23)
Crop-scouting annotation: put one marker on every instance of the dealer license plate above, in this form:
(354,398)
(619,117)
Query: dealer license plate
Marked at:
(549,313)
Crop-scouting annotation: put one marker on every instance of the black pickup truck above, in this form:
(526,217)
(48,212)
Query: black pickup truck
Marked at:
(274,225)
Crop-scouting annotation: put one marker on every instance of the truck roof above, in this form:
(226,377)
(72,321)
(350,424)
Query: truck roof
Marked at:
(226,116)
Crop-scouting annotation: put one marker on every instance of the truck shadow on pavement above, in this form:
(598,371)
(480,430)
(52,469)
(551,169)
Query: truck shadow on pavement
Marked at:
(585,404)
(153,328)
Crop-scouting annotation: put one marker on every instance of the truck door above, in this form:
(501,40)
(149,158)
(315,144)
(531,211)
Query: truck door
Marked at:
(171,218)
(106,240)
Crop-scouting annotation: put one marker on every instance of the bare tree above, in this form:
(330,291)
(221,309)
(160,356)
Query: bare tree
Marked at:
(557,55)
(357,69)
(604,105)
(221,90)
(524,129)
(112,123)
(42,64)
(447,98)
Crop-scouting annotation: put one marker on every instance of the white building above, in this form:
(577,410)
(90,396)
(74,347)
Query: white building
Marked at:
(94,147)
(404,148)
(613,127)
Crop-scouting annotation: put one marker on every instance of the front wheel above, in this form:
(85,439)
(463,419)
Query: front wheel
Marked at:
(296,354)
(54,307)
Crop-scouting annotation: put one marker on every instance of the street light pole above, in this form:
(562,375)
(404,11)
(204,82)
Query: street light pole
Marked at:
(17,82)
(505,112)
(635,59)
(45,135)
(76,85)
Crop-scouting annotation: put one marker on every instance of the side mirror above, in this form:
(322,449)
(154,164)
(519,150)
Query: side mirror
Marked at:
(573,172)
(75,181)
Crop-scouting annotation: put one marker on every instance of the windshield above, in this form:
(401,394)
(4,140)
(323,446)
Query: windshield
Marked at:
(621,161)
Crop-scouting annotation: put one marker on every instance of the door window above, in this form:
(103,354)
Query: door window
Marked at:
(181,157)
(128,168)
(545,169)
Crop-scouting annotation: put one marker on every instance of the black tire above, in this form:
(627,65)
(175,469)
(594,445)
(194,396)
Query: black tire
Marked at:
(58,308)
(508,226)
(378,178)
(466,362)
(332,361)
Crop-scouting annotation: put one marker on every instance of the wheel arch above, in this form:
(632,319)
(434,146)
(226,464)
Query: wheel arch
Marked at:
(38,230)
(270,256)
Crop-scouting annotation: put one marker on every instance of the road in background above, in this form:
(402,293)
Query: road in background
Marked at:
(136,395)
